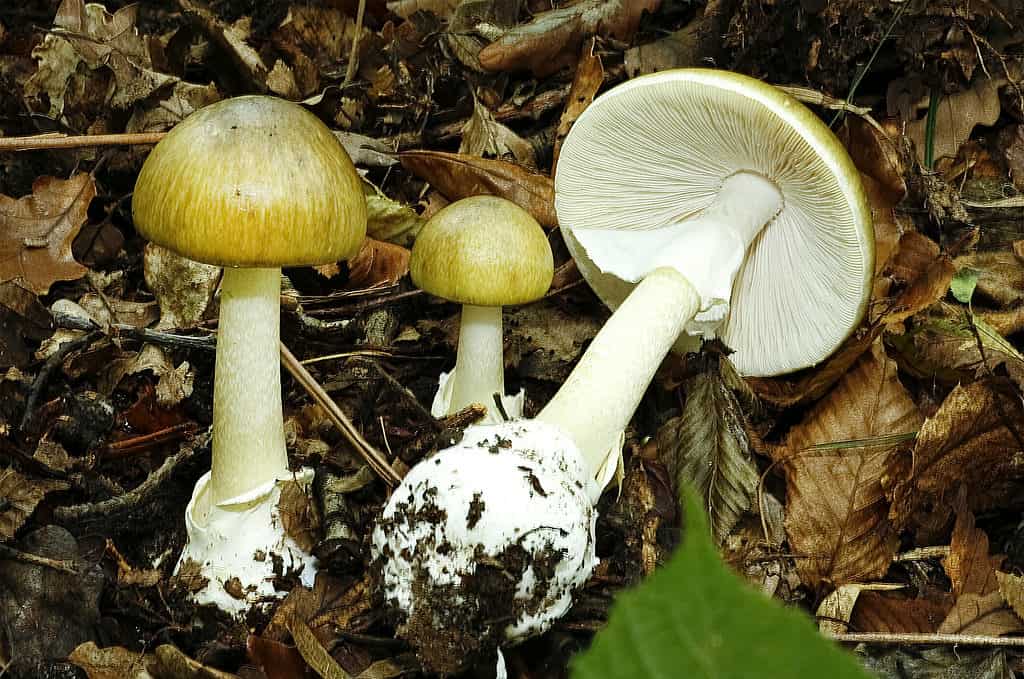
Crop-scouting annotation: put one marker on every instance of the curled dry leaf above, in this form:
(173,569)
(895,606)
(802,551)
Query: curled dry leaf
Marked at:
(183,288)
(878,612)
(22,495)
(708,449)
(115,662)
(484,136)
(981,615)
(837,515)
(835,610)
(587,81)
(378,263)
(459,176)
(37,231)
(552,39)
(967,444)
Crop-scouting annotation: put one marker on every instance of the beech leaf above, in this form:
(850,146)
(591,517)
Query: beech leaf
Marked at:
(837,513)
(38,230)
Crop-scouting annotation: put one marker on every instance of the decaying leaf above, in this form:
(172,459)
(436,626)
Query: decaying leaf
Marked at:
(956,116)
(389,220)
(688,47)
(378,263)
(1000,275)
(460,176)
(879,612)
(711,451)
(298,515)
(484,136)
(474,22)
(330,606)
(552,39)
(170,663)
(967,444)
(22,317)
(37,231)
(837,513)
(837,608)
(184,288)
(313,651)
(588,80)
(21,495)
(114,662)
(1012,588)
(544,340)
(981,615)
(969,566)
(406,8)
(944,662)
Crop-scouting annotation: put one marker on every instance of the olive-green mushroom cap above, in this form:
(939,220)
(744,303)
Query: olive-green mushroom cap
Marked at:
(483,250)
(252,181)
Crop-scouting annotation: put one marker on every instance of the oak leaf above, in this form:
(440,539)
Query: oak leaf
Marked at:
(38,230)
(837,513)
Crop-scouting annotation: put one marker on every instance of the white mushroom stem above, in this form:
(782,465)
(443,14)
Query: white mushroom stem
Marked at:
(479,362)
(248,426)
(688,287)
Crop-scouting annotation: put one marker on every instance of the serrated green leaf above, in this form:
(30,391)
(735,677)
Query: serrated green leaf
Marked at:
(964,283)
(695,618)
(712,452)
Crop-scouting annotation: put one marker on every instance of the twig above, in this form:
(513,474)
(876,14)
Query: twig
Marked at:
(49,366)
(353,57)
(56,140)
(12,554)
(72,322)
(122,504)
(137,444)
(371,455)
(925,639)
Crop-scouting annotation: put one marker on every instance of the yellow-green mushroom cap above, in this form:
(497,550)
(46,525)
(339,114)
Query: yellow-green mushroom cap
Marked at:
(485,251)
(252,181)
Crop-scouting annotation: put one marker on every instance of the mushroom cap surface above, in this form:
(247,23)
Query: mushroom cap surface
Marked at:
(653,152)
(253,181)
(483,250)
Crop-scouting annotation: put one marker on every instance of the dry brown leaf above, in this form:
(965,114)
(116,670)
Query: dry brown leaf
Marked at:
(836,609)
(969,566)
(552,39)
(588,80)
(330,606)
(314,653)
(1012,588)
(956,116)
(183,288)
(459,176)
(22,495)
(299,516)
(406,8)
(114,662)
(965,444)
(837,516)
(38,231)
(171,663)
(484,136)
(22,317)
(875,155)
(378,263)
(927,274)
(1000,275)
(981,615)
(878,612)
(1004,323)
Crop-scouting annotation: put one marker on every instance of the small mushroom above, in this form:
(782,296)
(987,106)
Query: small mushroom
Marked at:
(717,193)
(252,184)
(483,252)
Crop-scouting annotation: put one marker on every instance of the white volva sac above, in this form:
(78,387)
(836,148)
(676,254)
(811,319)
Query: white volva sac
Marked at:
(513,487)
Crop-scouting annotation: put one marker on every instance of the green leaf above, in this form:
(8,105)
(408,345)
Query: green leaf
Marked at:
(695,618)
(712,453)
(963,284)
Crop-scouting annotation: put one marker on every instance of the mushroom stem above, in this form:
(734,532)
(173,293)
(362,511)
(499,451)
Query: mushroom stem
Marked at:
(599,397)
(479,363)
(248,427)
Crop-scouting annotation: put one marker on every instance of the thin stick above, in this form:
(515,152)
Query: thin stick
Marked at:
(13,554)
(370,454)
(64,141)
(353,57)
(925,639)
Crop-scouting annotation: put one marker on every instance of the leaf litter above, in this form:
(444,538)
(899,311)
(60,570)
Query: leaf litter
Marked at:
(908,439)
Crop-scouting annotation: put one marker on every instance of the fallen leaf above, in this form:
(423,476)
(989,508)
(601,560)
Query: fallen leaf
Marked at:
(946,662)
(484,136)
(837,515)
(314,653)
(689,47)
(585,84)
(331,605)
(406,8)
(114,662)
(170,663)
(1000,275)
(965,444)
(168,107)
(388,220)
(544,340)
(878,612)
(21,495)
(299,517)
(377,263)
(38,231)
(1012,589)
(981,615)
(709,451)
(969,566)
(275,659)
(552,39)
(22,317)
(183,287)
(956,116)
(837,608)
(460,176)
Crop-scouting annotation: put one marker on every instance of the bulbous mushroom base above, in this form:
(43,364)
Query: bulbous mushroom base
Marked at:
(240,549)
(484,544)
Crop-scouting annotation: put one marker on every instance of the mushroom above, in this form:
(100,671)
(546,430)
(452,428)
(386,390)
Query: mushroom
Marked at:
(460,523)
(252,184)
(483,252)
